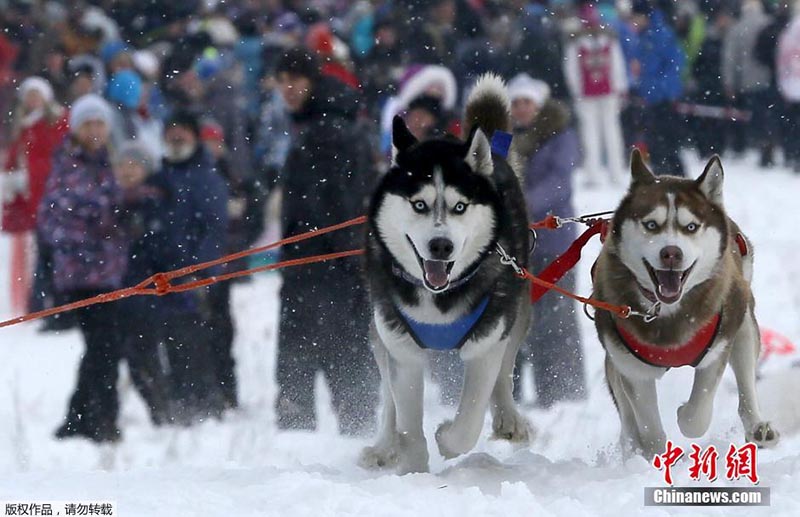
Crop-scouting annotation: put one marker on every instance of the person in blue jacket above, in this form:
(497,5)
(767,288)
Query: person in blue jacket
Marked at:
(657,62)
(198,225)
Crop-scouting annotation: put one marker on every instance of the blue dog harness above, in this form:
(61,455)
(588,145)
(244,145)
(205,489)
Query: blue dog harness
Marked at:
(446,336)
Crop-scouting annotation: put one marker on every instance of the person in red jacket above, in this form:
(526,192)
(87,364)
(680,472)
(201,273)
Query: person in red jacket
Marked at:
(40,125)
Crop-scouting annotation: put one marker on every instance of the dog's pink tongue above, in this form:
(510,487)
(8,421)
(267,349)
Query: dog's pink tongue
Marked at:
(669,283)
(436,273)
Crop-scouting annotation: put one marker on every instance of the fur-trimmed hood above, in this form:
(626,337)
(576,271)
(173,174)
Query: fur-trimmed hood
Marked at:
(552,119)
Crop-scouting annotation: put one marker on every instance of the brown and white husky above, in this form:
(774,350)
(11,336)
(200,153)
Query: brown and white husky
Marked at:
(672,250)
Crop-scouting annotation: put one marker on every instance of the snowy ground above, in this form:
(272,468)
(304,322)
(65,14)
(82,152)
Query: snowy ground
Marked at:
(243,466)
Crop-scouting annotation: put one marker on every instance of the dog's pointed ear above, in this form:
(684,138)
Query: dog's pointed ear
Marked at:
(479,153)
(402,138)
(710,182)
(640,173)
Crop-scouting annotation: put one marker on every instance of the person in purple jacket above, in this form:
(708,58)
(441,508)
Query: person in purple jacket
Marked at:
(79,221)
(549,148)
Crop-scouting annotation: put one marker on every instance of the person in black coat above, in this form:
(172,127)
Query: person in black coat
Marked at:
(711,133)
(245,224)
(144,215)
(324,308)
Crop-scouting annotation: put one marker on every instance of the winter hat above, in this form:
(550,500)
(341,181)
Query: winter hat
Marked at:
(384,17)
(752,7)
(211,130)
(644,7)
(418,79)
(320,38)
(125,88)
(299,61)
(133,151)
(288,23)
(429,103)
(589,16)
(184,118)
(95,19)
(111,50)
(179,61)
(146,63)
(89,107)
(38,84)
(209,64)
(524,86)
(221,31)
(88,64)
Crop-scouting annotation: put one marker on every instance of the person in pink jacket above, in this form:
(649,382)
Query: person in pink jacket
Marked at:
(596,76)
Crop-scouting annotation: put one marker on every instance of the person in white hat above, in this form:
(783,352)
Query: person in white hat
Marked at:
(548,146)
(80,221)
(89,121)
(528,96)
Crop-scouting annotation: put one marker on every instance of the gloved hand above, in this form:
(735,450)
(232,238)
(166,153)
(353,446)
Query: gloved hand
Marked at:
(236,208)
(13,184)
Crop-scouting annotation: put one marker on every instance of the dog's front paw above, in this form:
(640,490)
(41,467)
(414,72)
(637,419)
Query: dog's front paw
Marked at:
(377,458)
(448,442)
(763,435)
(413,463)
(693,423)
(513,427)
(412,454)
(444,440)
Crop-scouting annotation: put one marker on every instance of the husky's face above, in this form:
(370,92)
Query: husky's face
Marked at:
(436,209)
(671,232)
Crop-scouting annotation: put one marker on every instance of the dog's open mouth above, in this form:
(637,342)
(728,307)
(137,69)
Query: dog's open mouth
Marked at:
(668,282)
(435,273)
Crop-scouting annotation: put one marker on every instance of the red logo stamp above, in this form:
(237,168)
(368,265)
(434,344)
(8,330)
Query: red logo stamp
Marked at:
(739,462)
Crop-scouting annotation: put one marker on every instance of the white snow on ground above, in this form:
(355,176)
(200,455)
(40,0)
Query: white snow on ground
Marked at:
(243,466)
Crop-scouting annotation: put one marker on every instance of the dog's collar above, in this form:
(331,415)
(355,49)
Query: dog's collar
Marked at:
(689,353)
(401,273)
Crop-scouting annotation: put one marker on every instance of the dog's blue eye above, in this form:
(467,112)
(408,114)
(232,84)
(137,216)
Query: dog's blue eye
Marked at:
(460,208)
(692,227)
(651,226)
(420,207)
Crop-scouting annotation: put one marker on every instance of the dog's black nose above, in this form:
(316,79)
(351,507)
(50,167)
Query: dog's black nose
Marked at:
(671,257)
(440,248)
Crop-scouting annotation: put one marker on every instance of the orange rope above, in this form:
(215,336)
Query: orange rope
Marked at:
(159,284)
(161,281)
(623,311)
(188,270)
(548,223)
(166,288)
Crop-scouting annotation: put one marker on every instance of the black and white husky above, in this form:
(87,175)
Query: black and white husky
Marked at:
(436,281)
(672,246)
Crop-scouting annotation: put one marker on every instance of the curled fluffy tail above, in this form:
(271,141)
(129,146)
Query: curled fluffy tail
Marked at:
(488,106)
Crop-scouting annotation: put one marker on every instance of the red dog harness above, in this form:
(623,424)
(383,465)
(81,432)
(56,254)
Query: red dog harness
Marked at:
(687,354)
